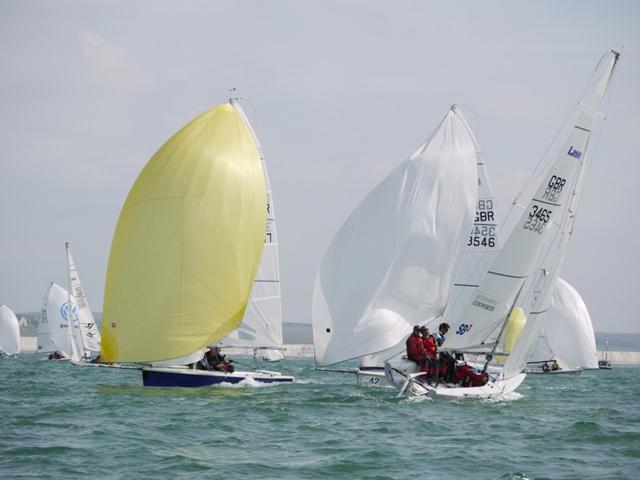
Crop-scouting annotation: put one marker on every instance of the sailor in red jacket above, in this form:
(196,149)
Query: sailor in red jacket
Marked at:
(431,352)
(415,347)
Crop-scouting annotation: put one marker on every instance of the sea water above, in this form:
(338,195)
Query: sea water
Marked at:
(60,421)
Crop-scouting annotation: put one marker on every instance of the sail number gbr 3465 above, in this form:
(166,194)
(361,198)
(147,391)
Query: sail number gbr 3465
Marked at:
(540,215)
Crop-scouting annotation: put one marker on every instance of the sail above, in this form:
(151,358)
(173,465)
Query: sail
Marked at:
(44,341)
(9,331)
(569,329)
(261,325)
(58,320)
(512,331)
(481,323)
(187,244)
(482,246)
(574,154)
(88,326)
(392,263)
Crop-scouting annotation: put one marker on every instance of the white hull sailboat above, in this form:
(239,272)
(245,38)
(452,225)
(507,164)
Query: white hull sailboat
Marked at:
(189,241)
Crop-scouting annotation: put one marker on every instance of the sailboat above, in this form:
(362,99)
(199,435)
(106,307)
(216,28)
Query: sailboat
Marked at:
(9,332)
(393,262)
(186,251)
(566,336)
(481,326)
(62,320)
(605,364)
(88,345)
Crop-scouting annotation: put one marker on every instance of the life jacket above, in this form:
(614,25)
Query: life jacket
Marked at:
(415,349)
(429,344)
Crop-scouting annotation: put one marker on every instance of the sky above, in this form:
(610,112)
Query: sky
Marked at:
(339,92)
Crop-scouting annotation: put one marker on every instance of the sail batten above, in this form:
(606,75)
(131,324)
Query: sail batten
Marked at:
(187,244)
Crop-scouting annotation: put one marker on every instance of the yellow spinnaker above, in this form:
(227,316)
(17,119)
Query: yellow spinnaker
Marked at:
(188,243)
(512,331)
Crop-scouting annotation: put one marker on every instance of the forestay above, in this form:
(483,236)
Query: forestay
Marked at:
(568,170)
(392,263)
(88,327)
(261,325)
(480,325)
(188,243)
(9,331)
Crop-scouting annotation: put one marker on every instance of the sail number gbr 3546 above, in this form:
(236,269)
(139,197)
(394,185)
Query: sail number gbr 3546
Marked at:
(483,233)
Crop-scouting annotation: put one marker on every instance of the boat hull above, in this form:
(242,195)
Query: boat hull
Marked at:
(403,376)
(173,377)
(371,377)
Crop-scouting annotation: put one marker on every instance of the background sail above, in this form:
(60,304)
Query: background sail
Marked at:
(392,263)
(262,321)
(569,329)
(9,331)
(188,243)
(45,343)
(58,319)
(88,326)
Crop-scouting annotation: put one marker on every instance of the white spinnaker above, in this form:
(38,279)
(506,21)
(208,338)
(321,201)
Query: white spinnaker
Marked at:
(392,263)
(57,318)
(45,343)
(569,329)
(261,324)
(88,326)
(9,331)
(569,165)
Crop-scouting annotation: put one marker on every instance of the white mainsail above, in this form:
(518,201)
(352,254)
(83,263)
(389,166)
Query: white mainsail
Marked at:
(393,262)
(261,325)
(573,158)
(9,332)
(90,340)
(60,317)
(480,325)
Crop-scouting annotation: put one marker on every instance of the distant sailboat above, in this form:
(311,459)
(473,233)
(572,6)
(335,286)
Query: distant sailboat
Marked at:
(480,328)
(62,320)
(605,364)
(45,344)
(566,336)
(89,344)
(9,332)
(186,252)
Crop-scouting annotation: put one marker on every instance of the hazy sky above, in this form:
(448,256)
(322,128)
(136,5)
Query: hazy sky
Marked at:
(343,92)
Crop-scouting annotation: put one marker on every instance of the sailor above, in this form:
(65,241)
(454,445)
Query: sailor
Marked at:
(217,361)
(415,347)
(446,362)
(555,366)
(545,367)
(439,335)
(431,352)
